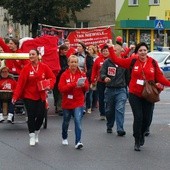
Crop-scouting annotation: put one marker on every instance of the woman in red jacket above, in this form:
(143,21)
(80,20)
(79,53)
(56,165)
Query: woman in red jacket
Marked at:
(141,108)
(7,84)
(32,75)
(15,66)
(73,84)
(95,78)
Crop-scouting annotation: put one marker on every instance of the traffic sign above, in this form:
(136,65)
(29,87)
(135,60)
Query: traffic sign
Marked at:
(159,24)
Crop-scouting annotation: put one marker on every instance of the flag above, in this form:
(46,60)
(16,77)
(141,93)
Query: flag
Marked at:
(48,47)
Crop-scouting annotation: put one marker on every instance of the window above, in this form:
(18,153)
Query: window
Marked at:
(154,2)
(82,24)
(133,2)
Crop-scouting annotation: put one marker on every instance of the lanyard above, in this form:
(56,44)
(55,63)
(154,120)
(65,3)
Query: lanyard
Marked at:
(72,77)
(35,70)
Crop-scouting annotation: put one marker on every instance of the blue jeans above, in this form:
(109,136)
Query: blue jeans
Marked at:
(115,99)
(77,114)
(101,88)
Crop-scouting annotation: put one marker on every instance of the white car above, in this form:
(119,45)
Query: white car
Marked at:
(163,59)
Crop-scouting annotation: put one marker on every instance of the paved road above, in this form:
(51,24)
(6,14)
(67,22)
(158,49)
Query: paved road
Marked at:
(101,151)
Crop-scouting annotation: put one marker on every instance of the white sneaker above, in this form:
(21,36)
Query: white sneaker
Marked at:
(32,139)
(9,118)
(36,136)
(89,111)
(65,142)
(1,117)
(102,117)
(79,145)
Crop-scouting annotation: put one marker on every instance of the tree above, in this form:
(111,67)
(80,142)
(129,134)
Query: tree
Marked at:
(51,12)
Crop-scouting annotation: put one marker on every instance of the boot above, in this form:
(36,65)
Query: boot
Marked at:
(137,145)
(1,117)
(32,139)
(36,136)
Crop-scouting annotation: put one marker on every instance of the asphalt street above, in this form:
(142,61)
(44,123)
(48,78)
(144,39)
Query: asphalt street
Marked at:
(101,151)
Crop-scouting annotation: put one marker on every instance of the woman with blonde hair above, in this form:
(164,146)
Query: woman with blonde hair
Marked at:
(73,84)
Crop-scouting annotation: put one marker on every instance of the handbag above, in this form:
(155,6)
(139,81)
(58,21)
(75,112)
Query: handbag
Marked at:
(150,92)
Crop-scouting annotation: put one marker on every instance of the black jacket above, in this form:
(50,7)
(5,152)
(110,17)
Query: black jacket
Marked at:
(118,75)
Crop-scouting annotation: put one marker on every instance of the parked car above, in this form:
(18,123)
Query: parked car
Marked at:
(163,59)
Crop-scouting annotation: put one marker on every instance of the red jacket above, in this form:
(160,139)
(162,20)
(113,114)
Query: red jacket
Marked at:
(7,83)
(95,76)
(72,96)
(151,72)
(15,66)
(70,51)
(27,83)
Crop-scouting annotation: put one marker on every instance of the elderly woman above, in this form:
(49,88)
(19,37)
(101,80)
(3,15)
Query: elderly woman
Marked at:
(7,84)
(29,88)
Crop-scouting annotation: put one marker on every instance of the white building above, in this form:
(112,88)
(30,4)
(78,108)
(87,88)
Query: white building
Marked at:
(10,29)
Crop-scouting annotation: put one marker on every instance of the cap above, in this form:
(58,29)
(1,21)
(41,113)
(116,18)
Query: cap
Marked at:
(119,39)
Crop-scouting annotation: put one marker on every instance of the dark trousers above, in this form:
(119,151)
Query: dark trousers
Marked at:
(142,112)
(10,107)
(35,112)
(57,97)
(101,89)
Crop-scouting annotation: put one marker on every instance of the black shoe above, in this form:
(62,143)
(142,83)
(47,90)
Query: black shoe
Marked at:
(147,133)
(121,133)
(142,140)
(137,147)
(60,113)
(109,130)
(137,144)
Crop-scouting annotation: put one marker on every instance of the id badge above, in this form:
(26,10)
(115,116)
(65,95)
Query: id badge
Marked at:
(70,96)
(13,69)
(140,82)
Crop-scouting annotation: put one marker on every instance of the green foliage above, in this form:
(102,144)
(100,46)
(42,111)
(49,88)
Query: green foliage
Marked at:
(52,12)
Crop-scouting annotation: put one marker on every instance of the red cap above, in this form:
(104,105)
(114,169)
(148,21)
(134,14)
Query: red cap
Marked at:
(119,39)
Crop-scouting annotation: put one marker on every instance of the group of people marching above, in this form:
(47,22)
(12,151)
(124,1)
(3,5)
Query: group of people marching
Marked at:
(95,75)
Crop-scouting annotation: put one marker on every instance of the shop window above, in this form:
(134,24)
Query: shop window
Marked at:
(133,2)
(145,36)
(154,2)
(158,40)
(82,24)
(132,37)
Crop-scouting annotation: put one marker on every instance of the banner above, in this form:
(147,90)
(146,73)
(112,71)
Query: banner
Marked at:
(90,36)
(98,35)
(48,47)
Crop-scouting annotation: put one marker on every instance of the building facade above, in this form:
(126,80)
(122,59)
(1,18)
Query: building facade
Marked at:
(10,29)
(98,13)
(144,20)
